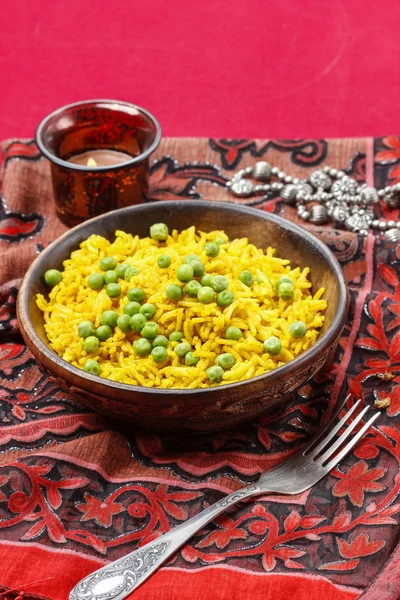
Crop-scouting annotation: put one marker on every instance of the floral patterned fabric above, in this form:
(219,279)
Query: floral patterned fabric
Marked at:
(76,491)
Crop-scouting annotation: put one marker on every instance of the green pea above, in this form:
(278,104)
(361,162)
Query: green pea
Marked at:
(113,290)
(121,269)
(109,317)
(159,354)
(131,272)
(198,267)
(136,295)
(273,345)
(110,277)
(93,367)
(211,249)
(261,278)
(283,279)
(142,347)
(191,360)
(215,374)
(220,283)
(150,330)
(103,332)
(184,273)
(225,298)
(91,344)
(159,232)
(160,340)
(190,257)
(85,328)
(132,308)
(207,280)
(175,336)
(108,263)
(286,291)
(164,261)
(298,329)
(225,361)
(96,281)
(148,310)
(52,277)
(233,333)
(219,240)
(246,277)
(182,349)
(173,291)
(192,288)
(137,322)
(123,322)
(205,295)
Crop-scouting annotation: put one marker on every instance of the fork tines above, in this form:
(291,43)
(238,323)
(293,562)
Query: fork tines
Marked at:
(324,451)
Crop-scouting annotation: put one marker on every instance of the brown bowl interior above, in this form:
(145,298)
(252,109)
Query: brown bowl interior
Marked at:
(201,409)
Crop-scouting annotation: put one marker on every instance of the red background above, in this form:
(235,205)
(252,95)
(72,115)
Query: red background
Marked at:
(221,68)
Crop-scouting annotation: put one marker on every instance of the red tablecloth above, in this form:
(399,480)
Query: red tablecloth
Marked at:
(75,492)
(218,68)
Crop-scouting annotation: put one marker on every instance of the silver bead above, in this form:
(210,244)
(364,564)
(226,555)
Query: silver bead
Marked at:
(382,225)
(275,171)
(375,223)
(248,170)
(261,188)
(392,235)
(281,175)
(369,195)
(288,179)
(332,172)
(340,174)
(381,193)
(345,187)
(357,222)
(363,232)
(288,194)
(242,189)
(391,224)
(326,169)
(296,180)
(262,170)
(339,214)
(305,187)
(320,180)
(318,215)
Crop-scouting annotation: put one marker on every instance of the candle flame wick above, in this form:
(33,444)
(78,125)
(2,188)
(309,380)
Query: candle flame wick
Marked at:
(91,162)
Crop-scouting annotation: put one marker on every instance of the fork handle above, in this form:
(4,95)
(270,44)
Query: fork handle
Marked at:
(118,579)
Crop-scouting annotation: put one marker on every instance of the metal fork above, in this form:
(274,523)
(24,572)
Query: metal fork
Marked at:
(118,579)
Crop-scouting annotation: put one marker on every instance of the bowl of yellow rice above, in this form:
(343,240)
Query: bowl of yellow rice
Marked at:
(183,316)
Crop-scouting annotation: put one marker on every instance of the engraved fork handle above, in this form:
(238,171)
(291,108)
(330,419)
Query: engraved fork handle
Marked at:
(118,579)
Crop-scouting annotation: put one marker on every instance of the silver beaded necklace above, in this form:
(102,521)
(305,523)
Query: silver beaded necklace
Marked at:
(335,197)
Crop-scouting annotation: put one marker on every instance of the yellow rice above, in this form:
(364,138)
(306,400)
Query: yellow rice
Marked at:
(257,311)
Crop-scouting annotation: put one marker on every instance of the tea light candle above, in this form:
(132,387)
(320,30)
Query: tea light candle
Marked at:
(100,158)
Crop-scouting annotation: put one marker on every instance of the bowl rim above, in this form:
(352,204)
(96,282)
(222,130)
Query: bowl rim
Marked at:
(86,379)
(74,167)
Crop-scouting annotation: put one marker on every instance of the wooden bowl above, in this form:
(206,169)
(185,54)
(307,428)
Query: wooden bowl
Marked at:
(208,409)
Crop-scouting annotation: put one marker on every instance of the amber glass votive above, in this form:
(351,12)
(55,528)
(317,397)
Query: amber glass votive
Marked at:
(99,153)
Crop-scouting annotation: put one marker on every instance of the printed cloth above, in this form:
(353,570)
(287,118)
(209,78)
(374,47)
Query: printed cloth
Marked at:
(76,491)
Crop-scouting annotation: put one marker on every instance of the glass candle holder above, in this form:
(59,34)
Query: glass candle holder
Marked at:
(99,153)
